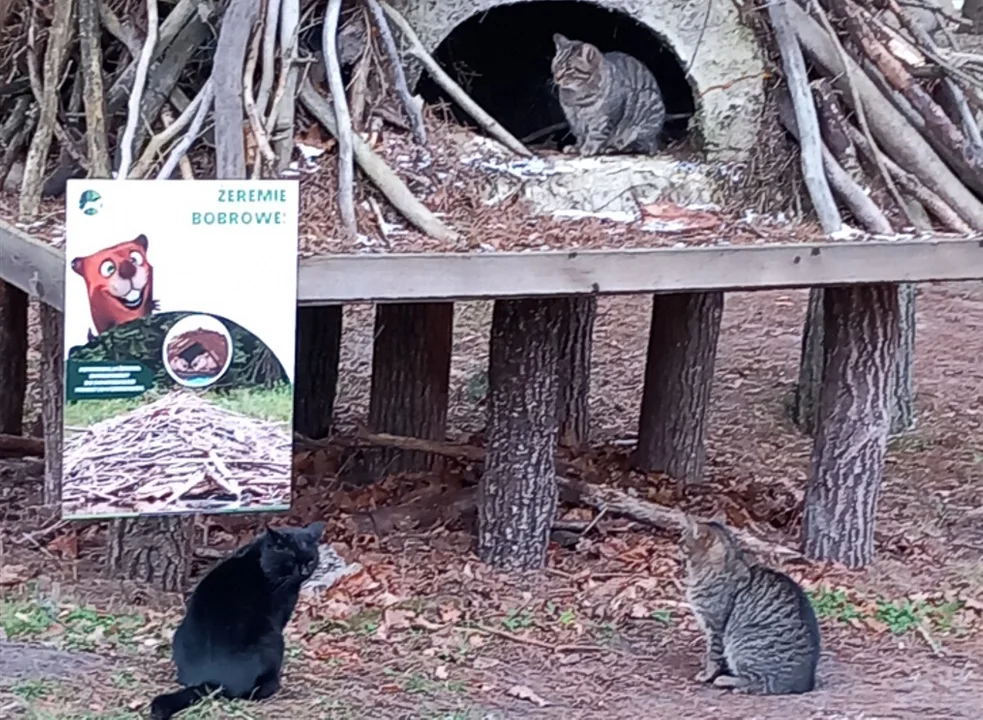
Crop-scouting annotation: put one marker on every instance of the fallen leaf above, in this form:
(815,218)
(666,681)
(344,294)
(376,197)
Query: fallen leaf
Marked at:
(66,545)
(441,672)
(14,574)
(523,693)
(449,614)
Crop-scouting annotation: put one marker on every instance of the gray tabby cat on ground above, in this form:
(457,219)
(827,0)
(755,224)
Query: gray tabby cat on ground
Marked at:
(611,100)
(761,630)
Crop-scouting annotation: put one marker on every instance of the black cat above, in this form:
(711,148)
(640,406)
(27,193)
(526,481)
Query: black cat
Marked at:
(230,642)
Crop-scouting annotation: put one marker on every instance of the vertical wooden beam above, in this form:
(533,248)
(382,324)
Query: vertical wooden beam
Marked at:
(678,378)
(861,336)
(411,365)
(518,489)
(13,358)
(316,377)
(52,398)
(574,361)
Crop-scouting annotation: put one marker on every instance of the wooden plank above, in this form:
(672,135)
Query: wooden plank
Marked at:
(38,269)
(32,265)
(348,278)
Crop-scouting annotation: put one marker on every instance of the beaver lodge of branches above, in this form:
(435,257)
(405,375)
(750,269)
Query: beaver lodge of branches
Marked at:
(883,101)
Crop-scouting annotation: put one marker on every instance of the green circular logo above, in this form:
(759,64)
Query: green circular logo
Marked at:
(90,202)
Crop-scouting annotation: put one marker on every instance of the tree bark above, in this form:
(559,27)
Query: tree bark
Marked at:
(13,358)
(230,54)
(573,374)
(411,365)
(678,377)
(153,550)
(52,398)
(805,404)
(518,490)
(861,330)
(316,378)
(90,34)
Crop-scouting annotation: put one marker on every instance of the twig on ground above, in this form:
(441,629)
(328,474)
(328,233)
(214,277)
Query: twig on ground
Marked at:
(413,107)
(810,141)
(136,93)
(208,94)
(388,182)
(343,121)
(486,121)
(576,492)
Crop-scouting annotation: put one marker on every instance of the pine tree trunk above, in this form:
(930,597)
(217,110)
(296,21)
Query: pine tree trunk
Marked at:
(13,358)
(861,332)
(52,398)
(152,550)
(411,365)
(518,489)
(575,342)
(678,377)
(316,379)
(805,408)
(903,385)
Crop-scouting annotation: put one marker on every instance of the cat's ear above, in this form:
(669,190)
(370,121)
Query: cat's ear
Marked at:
(590,54)
(273,536)
(690,526)
(315,530)
(560,41)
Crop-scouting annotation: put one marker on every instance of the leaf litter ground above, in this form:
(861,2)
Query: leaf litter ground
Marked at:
(424,631)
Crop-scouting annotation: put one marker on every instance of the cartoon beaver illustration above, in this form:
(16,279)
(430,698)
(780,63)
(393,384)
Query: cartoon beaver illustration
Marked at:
(119,280)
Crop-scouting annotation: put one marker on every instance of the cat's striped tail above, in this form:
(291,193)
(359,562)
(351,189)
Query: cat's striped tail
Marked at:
(165,706)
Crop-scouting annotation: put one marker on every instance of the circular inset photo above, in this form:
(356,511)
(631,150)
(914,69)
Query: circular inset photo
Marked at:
(197,351)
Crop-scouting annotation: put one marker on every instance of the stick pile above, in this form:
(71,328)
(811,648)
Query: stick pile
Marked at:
(180,453)
(891,125)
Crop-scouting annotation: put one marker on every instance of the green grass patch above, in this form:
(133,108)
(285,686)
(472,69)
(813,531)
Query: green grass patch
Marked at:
(275,404)
(898,616)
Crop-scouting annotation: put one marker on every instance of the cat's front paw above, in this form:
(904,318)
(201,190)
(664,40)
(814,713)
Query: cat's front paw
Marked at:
(707,674)
(569,150)
(731,683)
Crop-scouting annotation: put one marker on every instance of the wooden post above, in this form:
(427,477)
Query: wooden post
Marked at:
(678,377)
(316,377)
(52,398)
(518,489)
(153,550)
(861,334)
(576,340)
(411,365)
(13,358)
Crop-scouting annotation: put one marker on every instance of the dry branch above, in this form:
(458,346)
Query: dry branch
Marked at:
(913,186)
(378,171)
(343,120)
(859,108)
(59,35)
(863,208)
(17,446)
(939,129)
(95,101)
(283,114)
(412,106)
(136,92)
(227,68)
(899,139)
(270,24)
(600,497)
(486,121)
(158,141)
(249,100)
(805,117)
(179,151)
